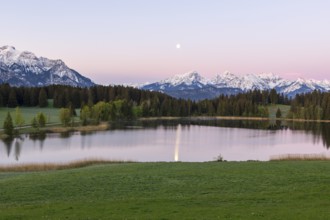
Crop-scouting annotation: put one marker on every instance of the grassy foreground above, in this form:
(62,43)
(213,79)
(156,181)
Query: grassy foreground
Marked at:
(229,190)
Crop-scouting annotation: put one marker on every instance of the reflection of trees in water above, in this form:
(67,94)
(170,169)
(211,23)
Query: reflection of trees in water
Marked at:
(8,142)
(325,134)
(18,147)
(278,123)
(65,134)
(320,131)
(172,124)
(39,136)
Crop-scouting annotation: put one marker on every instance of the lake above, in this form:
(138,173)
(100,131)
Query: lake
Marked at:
(173,140)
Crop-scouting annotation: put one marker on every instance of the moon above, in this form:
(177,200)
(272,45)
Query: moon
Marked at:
(178,46)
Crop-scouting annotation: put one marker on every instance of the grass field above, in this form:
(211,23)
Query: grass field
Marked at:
(273,108)
(52,114)
(228,190)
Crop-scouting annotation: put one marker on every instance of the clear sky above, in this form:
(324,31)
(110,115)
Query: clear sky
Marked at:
(135,40)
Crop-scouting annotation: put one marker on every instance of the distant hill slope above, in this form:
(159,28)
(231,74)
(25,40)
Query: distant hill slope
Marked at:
(23,68)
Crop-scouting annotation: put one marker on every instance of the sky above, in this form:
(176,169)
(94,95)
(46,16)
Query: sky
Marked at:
(134,41)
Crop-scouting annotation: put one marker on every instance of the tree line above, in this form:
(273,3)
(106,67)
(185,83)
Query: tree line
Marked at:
(143,103)
(311,106)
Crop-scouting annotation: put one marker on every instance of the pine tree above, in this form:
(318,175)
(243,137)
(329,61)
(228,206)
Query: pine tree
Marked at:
(19,120)
(210,109)
(43,98)
(34,123)
(12,99)
(41,119)
(8,125)
(85,115)
(26,97)
(65,116)
(34,97)
(273,96)
(278,113)
(113,111)
(1,100)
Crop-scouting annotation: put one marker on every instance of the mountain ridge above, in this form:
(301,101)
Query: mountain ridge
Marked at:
(24,68)
(191,84)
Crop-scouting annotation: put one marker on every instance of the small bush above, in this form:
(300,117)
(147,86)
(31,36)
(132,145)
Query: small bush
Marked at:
(219,158)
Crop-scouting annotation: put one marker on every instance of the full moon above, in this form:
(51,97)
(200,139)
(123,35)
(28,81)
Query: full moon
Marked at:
(178,46)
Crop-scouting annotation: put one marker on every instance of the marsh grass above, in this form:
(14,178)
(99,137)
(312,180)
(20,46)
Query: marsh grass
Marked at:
(297,157)
(57,166)
(89,128)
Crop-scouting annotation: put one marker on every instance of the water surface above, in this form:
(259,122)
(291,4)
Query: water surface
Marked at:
(187,140)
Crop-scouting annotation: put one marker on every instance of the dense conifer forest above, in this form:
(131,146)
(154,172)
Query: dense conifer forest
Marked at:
(130,102)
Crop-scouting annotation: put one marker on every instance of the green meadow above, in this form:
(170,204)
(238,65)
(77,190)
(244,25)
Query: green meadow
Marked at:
(211,190)
(273,108)
(52,114)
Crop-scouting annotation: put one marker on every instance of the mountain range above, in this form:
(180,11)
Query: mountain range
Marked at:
(23,68)
(194,86)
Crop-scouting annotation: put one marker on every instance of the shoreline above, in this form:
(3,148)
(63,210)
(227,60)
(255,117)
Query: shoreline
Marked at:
(34,167)
(233,118)
(103,126)
(76,164)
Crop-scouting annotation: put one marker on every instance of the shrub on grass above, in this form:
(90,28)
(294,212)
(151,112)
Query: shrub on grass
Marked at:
(65,116)
(8,125)
(41,119)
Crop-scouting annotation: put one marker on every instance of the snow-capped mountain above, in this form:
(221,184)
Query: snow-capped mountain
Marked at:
(190,85)
(23,68)
(190,78)
(193,86)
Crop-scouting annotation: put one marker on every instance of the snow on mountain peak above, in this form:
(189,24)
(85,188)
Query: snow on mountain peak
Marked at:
(228,83)
(186,78)
(300,80)
(269,77)
(17,65)
(7,47)
(30,62)
(245,82)
(227,73)
(8,54)
(226,79)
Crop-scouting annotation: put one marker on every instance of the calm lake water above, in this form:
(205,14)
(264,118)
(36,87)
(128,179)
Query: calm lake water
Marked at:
(184,140)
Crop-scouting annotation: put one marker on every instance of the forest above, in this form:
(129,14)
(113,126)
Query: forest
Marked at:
(311,106)
(128,102)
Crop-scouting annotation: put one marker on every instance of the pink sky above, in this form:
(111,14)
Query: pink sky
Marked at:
(135,41)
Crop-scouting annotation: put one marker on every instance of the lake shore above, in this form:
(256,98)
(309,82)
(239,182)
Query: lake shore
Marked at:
(88,128)
(35,167)
(55,128)
(232,118)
